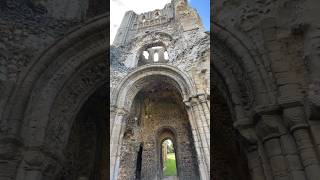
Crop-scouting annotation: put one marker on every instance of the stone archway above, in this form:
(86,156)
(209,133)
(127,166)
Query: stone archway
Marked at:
(122,99)
(236,94)
(41,110)
(166,133)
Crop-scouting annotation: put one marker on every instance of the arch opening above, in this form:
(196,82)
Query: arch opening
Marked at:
(156,106)
(229,152)
(86,152)
(168,158)
(153,53)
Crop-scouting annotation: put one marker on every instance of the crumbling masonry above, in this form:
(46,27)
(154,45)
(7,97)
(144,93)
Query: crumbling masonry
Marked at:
(160,90)
(266,90)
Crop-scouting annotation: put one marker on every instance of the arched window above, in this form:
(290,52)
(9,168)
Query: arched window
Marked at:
(166,56)
(168,159)
(146,54)
(156,57)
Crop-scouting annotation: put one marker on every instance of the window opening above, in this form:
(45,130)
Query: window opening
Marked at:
(156,57)
(166,56)
(146,54)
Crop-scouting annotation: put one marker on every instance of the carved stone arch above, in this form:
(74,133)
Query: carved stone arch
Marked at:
(71,98)
(253,66)
(31,102)
(123,95)
(230,79)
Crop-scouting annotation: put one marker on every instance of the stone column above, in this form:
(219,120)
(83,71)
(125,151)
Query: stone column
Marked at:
(161,54)
(254,163)
(292,156)
(112,117)
(204,170)
(203,128)
(151,55)
(270,130)
(205,108)
(116,141)
(296,119)
(257,168)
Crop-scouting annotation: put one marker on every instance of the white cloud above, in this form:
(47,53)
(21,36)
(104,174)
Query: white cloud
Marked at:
(119,7)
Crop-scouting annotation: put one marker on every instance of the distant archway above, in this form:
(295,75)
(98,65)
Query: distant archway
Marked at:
(166,135)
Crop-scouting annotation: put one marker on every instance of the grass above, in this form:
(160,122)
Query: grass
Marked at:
(170,165)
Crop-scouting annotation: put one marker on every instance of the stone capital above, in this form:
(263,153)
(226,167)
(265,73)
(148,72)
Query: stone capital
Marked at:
(295,117)
(187,103)
(121,111)
(113,108)
(270,126)
(266,110)
(246,129)
(35,159)
(202,98)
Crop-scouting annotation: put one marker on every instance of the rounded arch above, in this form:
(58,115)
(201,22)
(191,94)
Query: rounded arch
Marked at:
(164,133)
(81,51)
(241,73)
(123,95)
(251,63)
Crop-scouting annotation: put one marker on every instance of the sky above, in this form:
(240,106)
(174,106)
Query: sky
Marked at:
(119,7)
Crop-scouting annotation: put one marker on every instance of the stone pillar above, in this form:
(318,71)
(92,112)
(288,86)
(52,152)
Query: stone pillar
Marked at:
(254,163)
(151,55)
(161,54)
(204,170)
(256,160)
(116,141)
(205,108)
(112,117)
(164,152)
(296,119)
(203,128)
(270,130)
(291,153)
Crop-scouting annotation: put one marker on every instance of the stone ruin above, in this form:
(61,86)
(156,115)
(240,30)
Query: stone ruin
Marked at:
(265,90)
(160,89)
(265,76)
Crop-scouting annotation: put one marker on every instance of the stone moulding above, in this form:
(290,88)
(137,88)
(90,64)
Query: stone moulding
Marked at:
(185,84)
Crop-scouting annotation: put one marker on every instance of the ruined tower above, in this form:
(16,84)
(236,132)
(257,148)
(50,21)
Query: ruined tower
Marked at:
(160,90)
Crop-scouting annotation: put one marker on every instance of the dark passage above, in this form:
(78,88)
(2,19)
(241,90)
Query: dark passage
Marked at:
(139,159)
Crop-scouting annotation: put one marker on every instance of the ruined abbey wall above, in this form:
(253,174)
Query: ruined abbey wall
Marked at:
(265,64)
(175,33)
(161,113)
(38,40)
